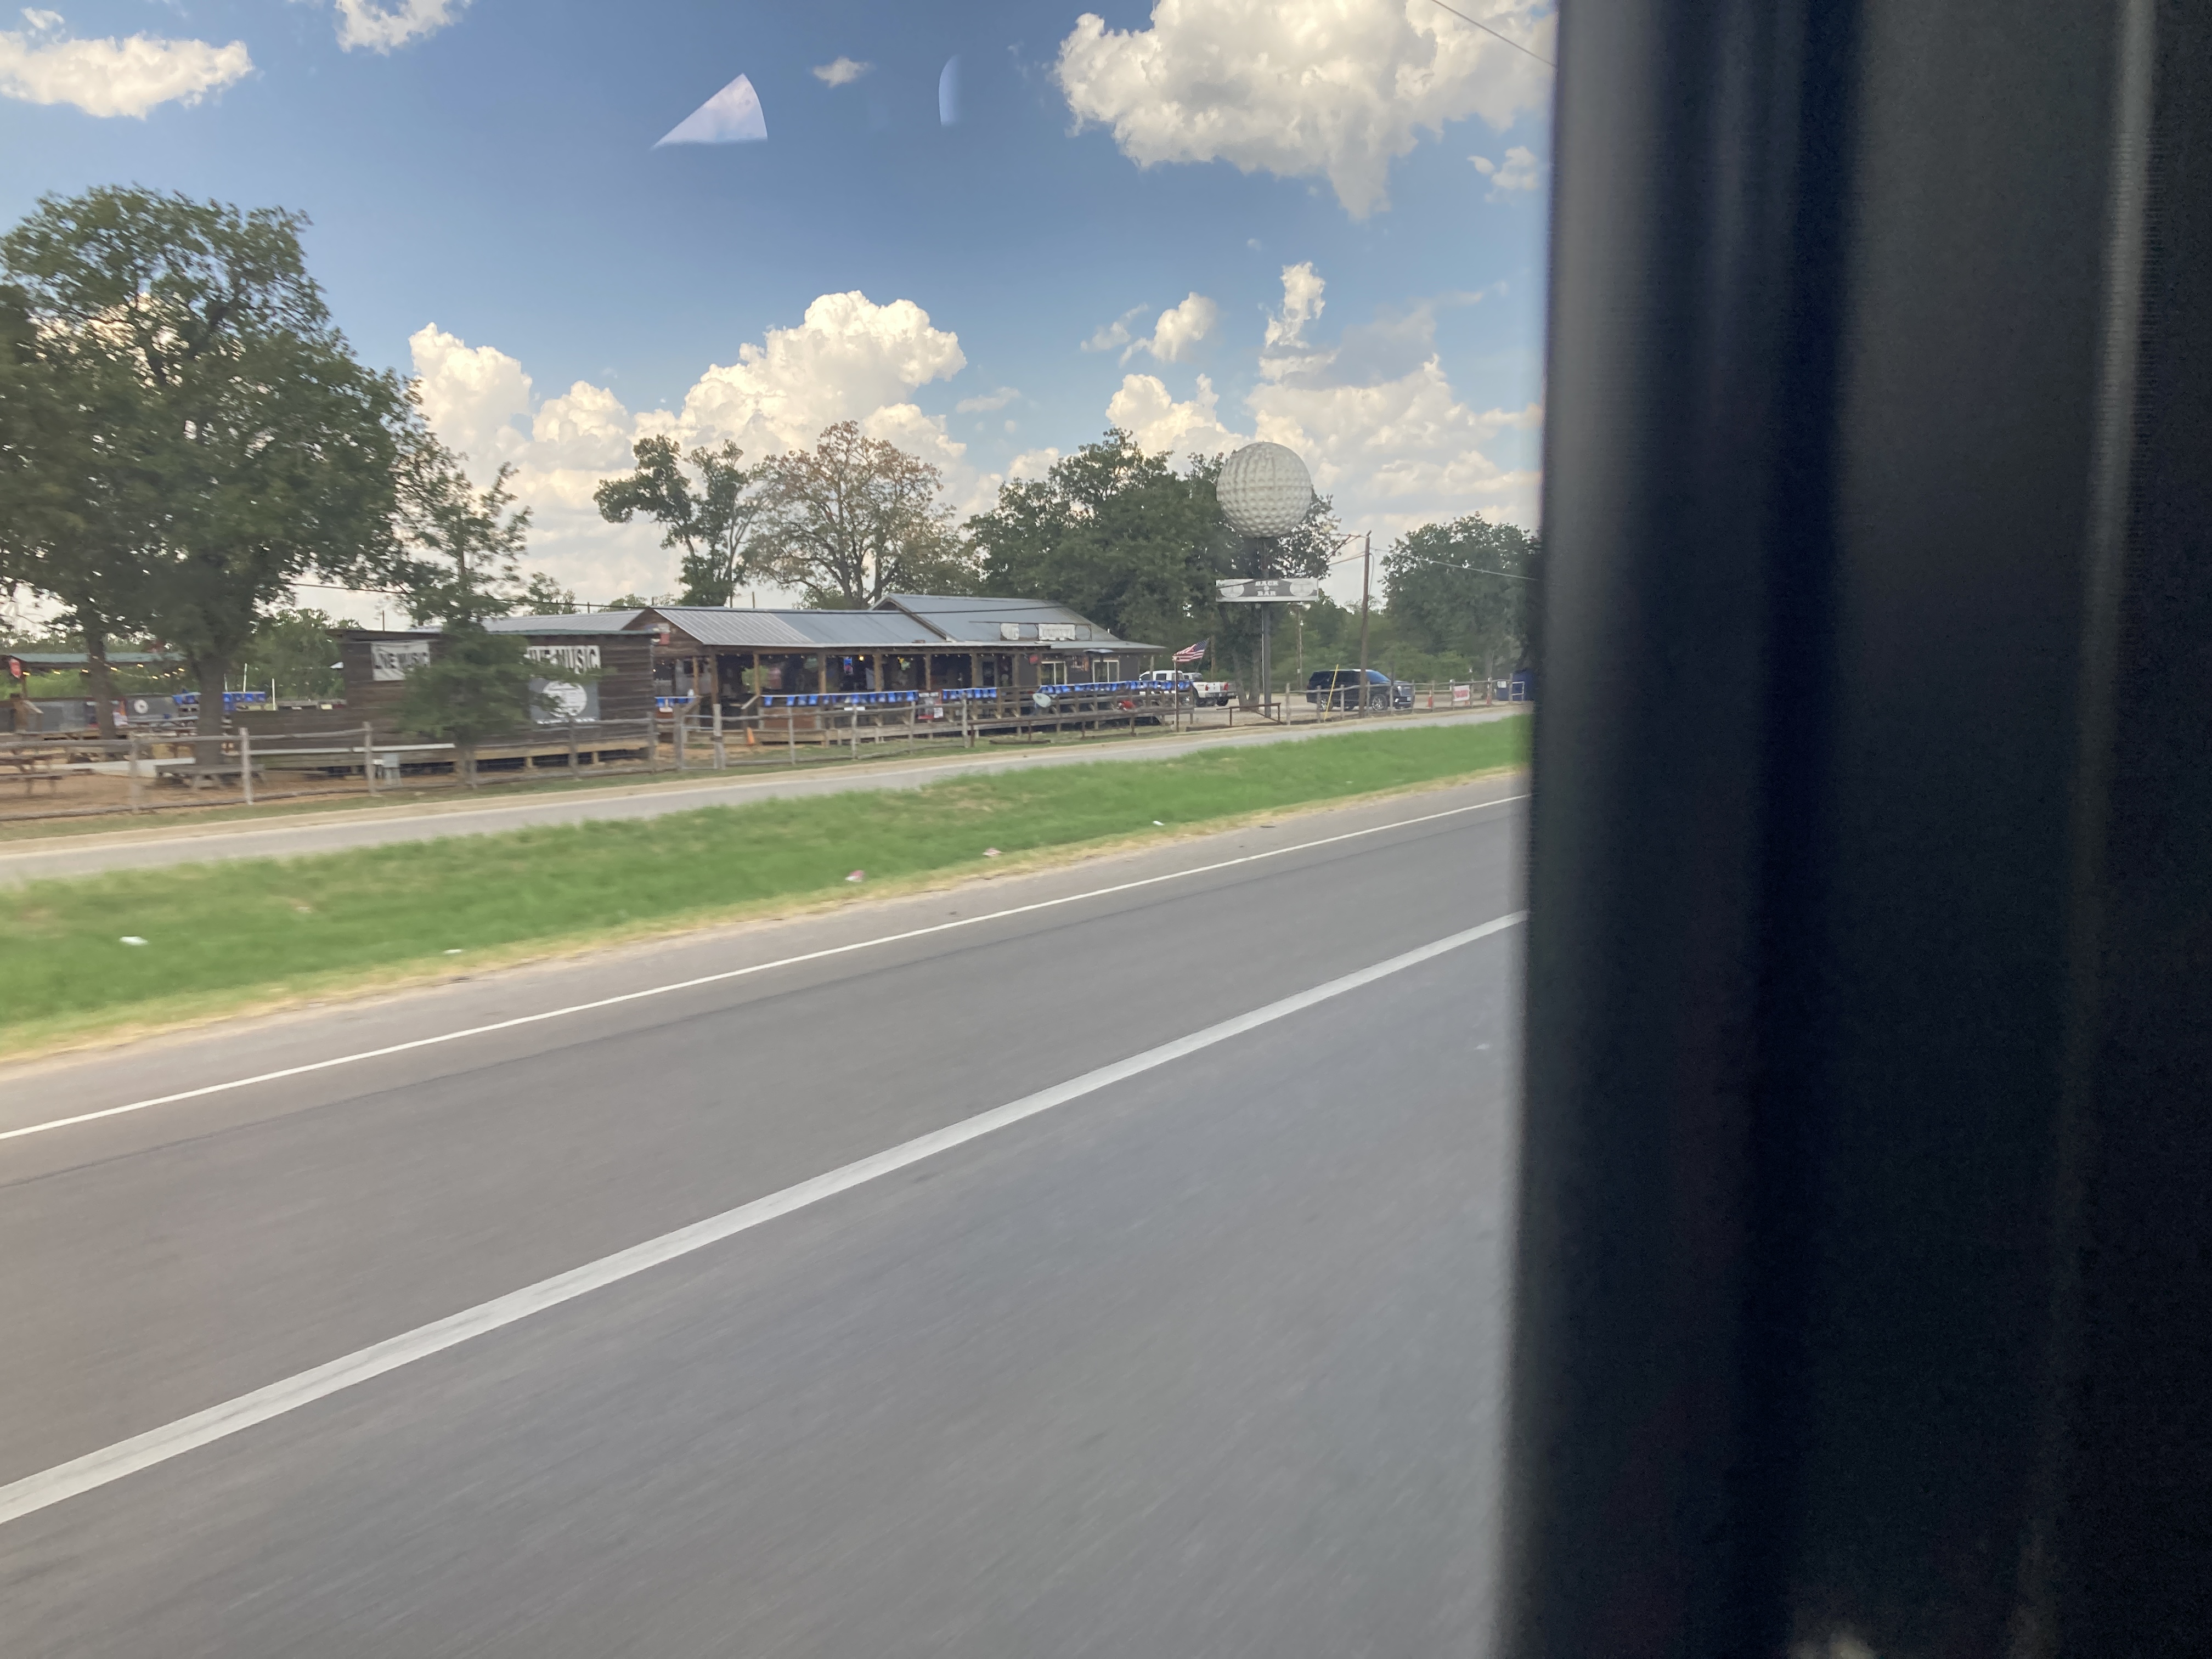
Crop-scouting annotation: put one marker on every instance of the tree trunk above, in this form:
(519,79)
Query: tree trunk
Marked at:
(207,750)
(102,680)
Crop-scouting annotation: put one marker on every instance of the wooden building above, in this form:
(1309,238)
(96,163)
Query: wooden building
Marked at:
(914,643)
(376,662)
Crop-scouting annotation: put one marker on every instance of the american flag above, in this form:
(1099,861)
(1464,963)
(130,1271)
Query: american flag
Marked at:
(1192,653)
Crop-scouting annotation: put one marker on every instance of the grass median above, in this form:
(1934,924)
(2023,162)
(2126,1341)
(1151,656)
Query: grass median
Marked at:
(216,937)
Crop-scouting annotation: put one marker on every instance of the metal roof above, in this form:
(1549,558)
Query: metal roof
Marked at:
(980,619)
(904,621)
(581,621)
(798,630)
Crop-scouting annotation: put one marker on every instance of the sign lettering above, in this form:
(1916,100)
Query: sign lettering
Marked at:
(1269,590)
(569,658)
(395,660)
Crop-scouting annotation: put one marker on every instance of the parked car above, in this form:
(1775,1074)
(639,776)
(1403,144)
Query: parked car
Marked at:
(1340,689)
(1216,693)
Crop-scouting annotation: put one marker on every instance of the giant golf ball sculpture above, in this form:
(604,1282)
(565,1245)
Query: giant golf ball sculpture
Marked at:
(1264,490)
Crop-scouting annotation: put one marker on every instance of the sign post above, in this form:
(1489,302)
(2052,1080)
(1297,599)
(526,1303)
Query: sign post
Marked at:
(1267,592)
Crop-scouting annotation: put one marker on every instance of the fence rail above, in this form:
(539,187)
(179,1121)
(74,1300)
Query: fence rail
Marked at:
(77,774)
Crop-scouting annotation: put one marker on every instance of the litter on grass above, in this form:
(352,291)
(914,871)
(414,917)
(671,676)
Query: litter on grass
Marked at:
(858,875)
(990,851)
(132,938)
(454,952)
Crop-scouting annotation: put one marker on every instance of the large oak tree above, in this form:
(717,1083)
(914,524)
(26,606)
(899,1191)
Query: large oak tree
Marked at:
(856,517)
(261,452)
(1466,589)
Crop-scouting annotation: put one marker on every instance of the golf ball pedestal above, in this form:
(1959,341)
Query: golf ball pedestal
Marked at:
(1265,493)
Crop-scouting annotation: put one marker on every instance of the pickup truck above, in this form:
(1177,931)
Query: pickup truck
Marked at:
(1201,692)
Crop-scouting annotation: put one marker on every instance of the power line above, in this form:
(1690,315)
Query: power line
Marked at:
(1444,564)
(331,587)
(1494,34)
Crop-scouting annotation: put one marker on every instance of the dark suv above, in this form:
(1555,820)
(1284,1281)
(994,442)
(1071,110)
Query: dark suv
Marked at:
(1340,687)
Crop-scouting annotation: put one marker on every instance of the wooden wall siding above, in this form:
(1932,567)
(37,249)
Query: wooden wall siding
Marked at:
(626,685)
(625,682)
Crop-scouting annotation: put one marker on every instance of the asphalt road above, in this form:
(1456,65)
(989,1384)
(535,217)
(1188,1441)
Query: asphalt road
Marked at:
(159,846)
(1206,1360)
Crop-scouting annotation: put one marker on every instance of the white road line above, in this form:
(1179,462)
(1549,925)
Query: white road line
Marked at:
(730,974)
(50,1486)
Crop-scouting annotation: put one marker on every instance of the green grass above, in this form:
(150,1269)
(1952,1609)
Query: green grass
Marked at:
(225,933)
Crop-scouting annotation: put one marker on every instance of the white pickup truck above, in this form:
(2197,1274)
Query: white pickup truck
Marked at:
(1201,692)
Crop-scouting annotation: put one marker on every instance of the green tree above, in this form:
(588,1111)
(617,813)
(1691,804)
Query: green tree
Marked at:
(478,684)
(1466,590)
(466,566)
(270,452)
(856,517)
(465,545)
(298,648)
(74,513)
(1113,533)
(543,597)
(711,519)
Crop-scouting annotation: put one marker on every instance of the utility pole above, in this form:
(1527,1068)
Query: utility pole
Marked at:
(1267,634)
(1366,575)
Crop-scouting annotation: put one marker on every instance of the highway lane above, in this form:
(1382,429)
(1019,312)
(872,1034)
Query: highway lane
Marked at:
(1266,1276)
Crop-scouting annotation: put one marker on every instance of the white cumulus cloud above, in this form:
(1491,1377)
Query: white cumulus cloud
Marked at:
(1377,420)
(848,356)
(472,396)
(1336,89)
(110,77)
(1146,409)
(1180,329)
(847,359)
(382,26)
(1521,170)
(1112,336)
(843,71)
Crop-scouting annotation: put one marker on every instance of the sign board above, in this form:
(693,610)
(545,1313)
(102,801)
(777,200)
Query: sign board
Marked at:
(395,660)
(1056,630)
(553,702)
(569,659)
(1462,695)
(1010,630)
(1269,590)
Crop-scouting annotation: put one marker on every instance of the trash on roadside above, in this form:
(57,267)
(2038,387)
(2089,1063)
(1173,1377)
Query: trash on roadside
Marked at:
(455,952)
(1156,824)
(990,851)
(132,938)
(858,875)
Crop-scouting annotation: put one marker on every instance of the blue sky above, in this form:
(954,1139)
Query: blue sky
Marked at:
(491,212)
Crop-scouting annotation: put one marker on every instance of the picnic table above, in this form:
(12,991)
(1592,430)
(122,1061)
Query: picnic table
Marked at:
(46,764)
